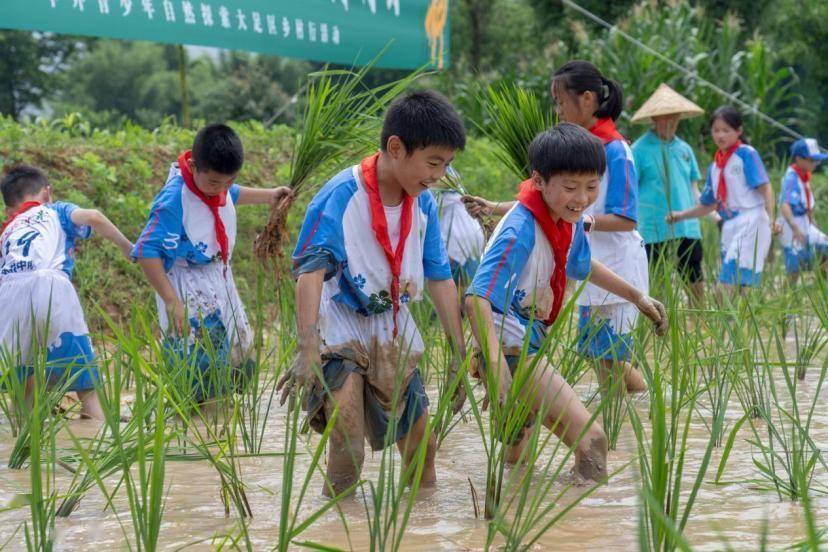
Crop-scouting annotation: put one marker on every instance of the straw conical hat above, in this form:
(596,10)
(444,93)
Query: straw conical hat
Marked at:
(666,101)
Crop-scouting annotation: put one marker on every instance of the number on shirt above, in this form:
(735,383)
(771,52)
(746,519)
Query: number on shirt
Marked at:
(26,241)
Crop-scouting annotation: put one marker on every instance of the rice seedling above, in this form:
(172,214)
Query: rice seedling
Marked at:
(338,110)
(666,505)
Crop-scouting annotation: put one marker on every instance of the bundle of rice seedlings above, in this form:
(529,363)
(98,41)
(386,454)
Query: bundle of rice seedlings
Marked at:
(339,110)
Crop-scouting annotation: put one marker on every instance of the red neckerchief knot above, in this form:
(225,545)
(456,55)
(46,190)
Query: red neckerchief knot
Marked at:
(380,226)
(212,202)
(559,236)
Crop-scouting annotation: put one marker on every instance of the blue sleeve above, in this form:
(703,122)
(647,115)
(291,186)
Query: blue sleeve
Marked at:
(234,193)
(502,263)
(162,233)
(708,197)
(755,173)
(695,173)
(579,261)
(622,189)
(789,187)
(73,231)
(322,228)
(435,259)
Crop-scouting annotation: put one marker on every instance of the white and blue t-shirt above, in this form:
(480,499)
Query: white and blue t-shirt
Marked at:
(42,238)
(515,272)
(181,227)
(621,252)
(793,193)
(337,235)
(744,173)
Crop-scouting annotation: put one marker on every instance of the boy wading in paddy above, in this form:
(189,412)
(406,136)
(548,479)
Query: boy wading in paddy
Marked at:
(37,258)
(370,239)
(185,251)
(519,289)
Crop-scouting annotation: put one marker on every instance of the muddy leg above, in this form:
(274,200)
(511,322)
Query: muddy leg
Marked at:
(346,449)
(90,405)
(564,413)
(409,445)
(633,379)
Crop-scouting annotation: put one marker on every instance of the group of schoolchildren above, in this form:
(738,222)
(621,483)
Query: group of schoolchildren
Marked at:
(375,238)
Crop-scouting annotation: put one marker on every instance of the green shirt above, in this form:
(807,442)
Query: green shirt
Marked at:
(654,161)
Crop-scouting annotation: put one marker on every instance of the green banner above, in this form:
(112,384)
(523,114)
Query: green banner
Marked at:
(338,31)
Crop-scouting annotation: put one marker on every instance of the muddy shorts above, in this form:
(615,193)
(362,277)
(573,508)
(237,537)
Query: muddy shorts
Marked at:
(377,419)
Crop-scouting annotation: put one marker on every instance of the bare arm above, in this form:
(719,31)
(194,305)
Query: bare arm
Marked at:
(767,194)
(444,295)
(479,312)
(103,227)
(697,211)
(157,277)
(612,223)
(606,279)
(480,207)
(308,361)
(261,196)
(787,214)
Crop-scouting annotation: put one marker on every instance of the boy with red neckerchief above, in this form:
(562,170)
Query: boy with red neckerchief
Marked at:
(519,288)
(37,258)
(185,252)
(368,246)
(801,239)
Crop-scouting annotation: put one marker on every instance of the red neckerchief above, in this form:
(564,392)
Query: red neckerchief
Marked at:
(559,236)
(721,158)
(20,210)
(605,130)
(805,177)
(212,202)
(380,226)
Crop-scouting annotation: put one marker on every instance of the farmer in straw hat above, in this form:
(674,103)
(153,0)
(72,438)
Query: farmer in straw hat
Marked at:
(667,177)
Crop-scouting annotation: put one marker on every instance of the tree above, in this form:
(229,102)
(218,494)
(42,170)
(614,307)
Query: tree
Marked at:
(28,63)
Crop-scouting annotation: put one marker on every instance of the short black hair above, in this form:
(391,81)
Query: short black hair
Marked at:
(218,148)
(422,119)
(567,148)
(20,181)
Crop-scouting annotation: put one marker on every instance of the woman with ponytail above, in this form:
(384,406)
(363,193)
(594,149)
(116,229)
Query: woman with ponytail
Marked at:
(585,97)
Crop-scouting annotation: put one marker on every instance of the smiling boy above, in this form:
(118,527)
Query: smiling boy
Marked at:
(519,289)
(370,239)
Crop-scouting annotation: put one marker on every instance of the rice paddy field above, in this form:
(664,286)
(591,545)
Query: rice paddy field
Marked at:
(723,451)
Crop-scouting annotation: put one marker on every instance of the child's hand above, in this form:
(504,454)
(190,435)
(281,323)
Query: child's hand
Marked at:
(177,315)
(655,311)
(281,193)
(798,236)
(301,373)
(672,217)
(478,206)
(459,397)
(776,228)
(126,249)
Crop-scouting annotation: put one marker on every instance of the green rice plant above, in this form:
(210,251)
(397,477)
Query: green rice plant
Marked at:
(810,340)
(514,117)
(674,390)
(290,526)
(339,110)
(787,455)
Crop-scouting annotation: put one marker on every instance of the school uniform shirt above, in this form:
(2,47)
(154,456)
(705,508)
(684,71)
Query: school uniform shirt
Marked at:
(746,233)
(461,233)
(181,232)
(621,252)
(37,258)
(665,168)
(356,319)
(798,254)
(514,276)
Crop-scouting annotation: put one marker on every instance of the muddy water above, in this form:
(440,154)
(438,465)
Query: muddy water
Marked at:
(443,519)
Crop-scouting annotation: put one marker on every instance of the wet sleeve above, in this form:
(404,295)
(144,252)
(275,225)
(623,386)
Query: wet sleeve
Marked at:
(755,173)
(234,193)
(321,242)
(500,268)
(708,197)
(435,259)
(73,231)
(622,183)
(162,233)
(579,261)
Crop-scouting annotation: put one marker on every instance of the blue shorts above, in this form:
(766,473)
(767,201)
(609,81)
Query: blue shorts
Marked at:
(377,419)
(72,361)
(606,332)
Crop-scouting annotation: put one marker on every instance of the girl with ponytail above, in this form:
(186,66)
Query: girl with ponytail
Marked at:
(585,97)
